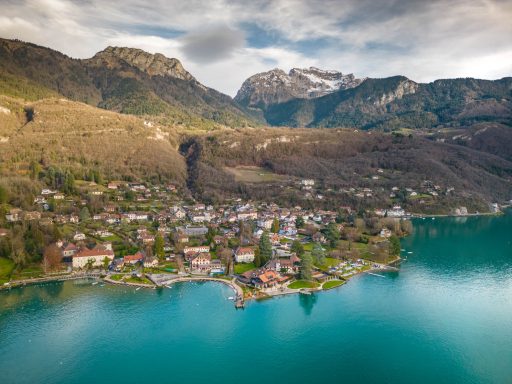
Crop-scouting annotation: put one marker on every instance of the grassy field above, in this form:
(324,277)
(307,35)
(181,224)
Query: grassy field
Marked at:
(6,268)
(29,272)
(243,267)
(138,280)
(299,284)
(332,284)
(249,174)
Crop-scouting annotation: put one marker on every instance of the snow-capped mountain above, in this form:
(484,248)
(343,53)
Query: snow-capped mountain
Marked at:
(276,86)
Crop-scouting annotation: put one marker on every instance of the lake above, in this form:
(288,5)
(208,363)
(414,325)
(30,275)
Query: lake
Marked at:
(445,317)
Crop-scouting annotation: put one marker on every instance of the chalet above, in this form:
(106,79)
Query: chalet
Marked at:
(244,255)
(133,259)
(69,250)
(95,256)
(201,262)
(266,279)
(182,239)
(284,264)
(32,215)
(58,196)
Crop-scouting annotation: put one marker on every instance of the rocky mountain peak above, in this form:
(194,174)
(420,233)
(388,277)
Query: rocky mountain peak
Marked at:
(152,64)
(277,86)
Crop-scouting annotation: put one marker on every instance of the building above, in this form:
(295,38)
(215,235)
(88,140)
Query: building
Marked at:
(95,257)
(244,255)
(133,259)
(201,262)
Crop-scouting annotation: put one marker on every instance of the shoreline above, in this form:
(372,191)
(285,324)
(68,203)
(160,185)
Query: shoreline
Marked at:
(237,289)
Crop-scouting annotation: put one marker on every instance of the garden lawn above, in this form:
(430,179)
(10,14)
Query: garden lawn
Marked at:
(6,268)
(243,267)
(299,284)
(332,284)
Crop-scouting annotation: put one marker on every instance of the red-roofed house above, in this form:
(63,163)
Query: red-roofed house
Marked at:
(95,255)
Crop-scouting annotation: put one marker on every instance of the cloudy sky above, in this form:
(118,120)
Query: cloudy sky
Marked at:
(223,42)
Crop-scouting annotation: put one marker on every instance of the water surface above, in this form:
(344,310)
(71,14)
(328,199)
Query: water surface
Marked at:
(446,317)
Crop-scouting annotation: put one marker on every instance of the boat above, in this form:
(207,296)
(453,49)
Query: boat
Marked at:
(231,298)
(95,283)
(304,292)
(137,288)
(375,274)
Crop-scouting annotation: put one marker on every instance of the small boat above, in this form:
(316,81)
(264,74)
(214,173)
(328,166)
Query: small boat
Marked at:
(231,298)
(95,283)
(137,288)
(303,292)
(409,252)
(375,274)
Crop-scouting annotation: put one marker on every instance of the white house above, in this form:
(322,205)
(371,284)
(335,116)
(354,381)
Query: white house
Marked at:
(244,255)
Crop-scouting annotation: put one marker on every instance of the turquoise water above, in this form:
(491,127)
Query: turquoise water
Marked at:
(446,317)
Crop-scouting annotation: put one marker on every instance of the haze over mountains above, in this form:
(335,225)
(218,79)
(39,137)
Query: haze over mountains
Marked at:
(453,132)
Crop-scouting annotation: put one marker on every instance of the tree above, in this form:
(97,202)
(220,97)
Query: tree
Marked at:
(35,169)
(275,225)
(298,248)
(332,234)
(318,254)
(265,248)
(52,257)
(106,262)
(394,245)
(159,247)
(299,222)
(306,267)
(257,259)
(226,256)
(84,214)
(4,197)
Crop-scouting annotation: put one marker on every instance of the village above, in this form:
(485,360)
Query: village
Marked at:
(150,236)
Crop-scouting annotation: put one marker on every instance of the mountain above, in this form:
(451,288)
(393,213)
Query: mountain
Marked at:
(390,103)
(125,80)
(276,86)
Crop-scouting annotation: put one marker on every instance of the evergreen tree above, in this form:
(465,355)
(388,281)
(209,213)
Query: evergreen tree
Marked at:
(265,248)
(298,248)
(159,247)
(332,234)
(257,258)
(306,267)
(394,246)
(275,225)
(299,222)
(84,214)
(318,254)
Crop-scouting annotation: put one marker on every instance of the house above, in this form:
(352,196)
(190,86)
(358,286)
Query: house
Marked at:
(189,252)
(192,231)
(318,237)
(3,232)
(95,256)
(201,262)
(266,279)
(133,259)
(244,255)
(68,251)
(216,267)
(79,236)
(247,215)
(384,232)
(58,196)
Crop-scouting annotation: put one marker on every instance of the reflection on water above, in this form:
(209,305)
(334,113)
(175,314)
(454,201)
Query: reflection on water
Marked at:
(307,302)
